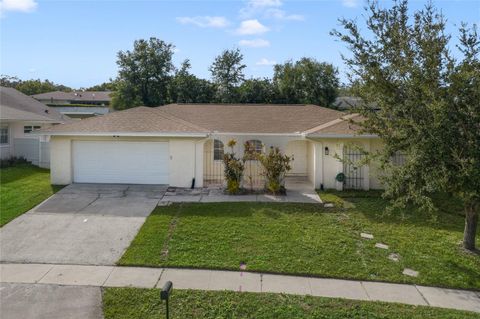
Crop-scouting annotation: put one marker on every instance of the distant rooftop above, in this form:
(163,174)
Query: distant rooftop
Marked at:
(75,96)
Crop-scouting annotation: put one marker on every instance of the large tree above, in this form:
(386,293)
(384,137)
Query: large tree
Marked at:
(427,104)
(256,91)
(227,74)
(306,81)
(144,74)
(187,88)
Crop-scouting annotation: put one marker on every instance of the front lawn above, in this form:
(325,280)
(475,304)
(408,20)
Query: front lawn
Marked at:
(308,239)
(130,303)
(22,187)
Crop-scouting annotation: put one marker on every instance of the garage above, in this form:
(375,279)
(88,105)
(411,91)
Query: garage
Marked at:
(121,162)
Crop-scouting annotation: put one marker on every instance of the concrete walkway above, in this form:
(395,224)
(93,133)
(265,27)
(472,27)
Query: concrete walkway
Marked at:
(112,276)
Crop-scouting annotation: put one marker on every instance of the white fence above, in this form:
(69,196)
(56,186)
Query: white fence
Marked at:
(33,150)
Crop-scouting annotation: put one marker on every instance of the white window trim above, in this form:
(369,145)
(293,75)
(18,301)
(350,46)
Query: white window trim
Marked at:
(213,147)
(8,135)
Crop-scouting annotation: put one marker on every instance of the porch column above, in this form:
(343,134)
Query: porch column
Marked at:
(366,169)
(339,166)
(199,154)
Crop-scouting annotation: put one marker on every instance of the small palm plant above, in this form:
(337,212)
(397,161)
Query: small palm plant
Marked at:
(234,168)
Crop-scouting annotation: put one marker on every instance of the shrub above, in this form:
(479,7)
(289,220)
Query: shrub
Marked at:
(275,166)
(12,161)
(233,169)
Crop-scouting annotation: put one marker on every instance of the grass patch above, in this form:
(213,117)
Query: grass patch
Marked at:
(307,239)
(22,187)
(130,303)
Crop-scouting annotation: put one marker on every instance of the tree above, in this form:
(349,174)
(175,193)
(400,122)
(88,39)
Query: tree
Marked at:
(105,86)
(256,91)
(31,87)
(144,74)
(227,74)
(187,88)
(427,105)
(306,81)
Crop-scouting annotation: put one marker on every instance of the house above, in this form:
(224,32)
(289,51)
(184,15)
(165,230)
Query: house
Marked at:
(183,144)
(19,116)
(77,104)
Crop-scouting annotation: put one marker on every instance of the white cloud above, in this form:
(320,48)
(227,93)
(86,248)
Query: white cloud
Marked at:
(265,61)
(350,3)
(255,43)
(253,26)
(204,21)
(18,5)
(282,15)
(254,7)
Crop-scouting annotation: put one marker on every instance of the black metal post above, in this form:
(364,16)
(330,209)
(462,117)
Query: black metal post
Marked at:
(165,294)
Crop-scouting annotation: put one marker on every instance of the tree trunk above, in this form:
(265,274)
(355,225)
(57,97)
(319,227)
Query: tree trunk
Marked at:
(471,222)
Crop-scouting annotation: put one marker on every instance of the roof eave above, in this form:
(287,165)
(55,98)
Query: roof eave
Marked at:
(325,135)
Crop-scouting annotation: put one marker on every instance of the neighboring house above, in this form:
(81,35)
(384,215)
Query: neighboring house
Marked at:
(77,104)
(346,102)
(19,116)
(179,144)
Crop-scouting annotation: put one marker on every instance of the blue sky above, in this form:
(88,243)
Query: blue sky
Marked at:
(75,42)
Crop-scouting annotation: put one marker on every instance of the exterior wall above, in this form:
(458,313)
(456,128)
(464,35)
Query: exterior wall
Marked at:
(290,145)
(328,166)
(185,162)
(311,167)
(25,145)
(299,151)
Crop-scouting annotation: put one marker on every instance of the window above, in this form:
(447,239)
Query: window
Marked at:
(29,128)
(4,135)
(253,147)
(218,150)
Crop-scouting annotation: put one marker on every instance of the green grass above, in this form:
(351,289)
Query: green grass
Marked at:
(307,239)
(21,188)
(130,303)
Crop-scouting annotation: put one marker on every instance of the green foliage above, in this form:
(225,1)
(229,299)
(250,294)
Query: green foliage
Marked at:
(105,86)
(144,74)
(257,91)
(227,75)
(12,161)
(275,166)
(31,87)
(23,186)
(187,88)
(427,104)
(233,169)
(306,81)
(308,239)
(135,303)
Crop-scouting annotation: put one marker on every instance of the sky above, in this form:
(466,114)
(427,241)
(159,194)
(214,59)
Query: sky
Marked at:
(75,42)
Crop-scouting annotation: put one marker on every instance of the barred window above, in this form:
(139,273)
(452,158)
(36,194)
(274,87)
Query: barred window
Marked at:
(217,150)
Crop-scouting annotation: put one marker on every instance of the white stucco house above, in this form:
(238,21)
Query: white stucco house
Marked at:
(20,115)
(182,144)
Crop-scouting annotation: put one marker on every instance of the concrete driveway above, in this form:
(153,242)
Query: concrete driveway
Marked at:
(87,224)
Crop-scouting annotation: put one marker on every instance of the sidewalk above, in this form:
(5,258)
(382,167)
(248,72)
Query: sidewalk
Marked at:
(112,276)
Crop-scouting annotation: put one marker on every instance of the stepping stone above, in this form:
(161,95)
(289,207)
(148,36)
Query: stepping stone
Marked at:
(382,246)
(410,272)
(165,203)
(366,236)
(394,257)
(328,205)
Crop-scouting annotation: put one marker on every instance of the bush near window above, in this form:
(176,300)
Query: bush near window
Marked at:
(275,166)
(12,161)
(234,168)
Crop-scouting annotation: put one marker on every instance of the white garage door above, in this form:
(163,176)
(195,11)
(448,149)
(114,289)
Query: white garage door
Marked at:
(120,162)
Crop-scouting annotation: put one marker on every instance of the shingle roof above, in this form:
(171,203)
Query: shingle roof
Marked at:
(253,118)
(8,113)
(215,118)
(11,99)
(135,120)
(341,126)
(75,96)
